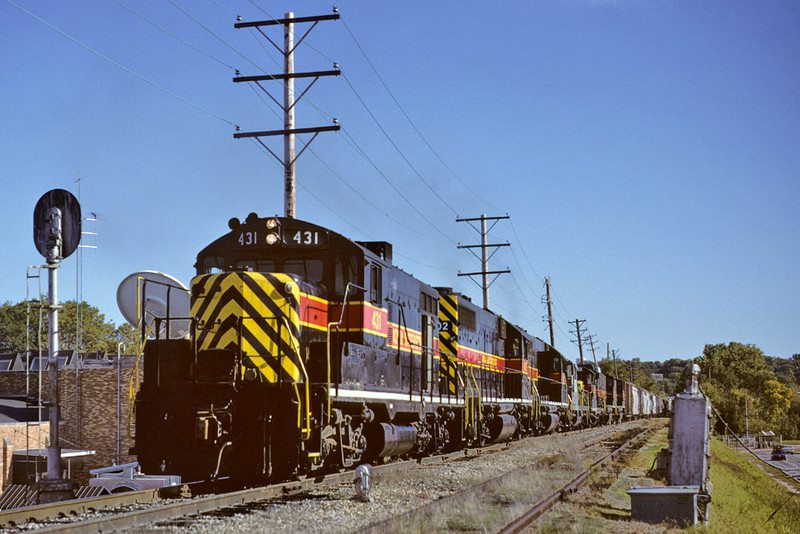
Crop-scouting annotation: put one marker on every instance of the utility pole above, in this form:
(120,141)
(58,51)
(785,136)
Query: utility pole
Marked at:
(614,353)
(590,337)
(746,420)
(578,323)
(485,256)
(549,311)
(287,78)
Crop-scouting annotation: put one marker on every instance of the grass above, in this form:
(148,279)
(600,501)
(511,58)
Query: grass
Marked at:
(743,497)
(492,509)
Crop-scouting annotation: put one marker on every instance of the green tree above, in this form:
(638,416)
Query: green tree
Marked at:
(796,367)
(12,326)
(775,400)
(97,334)
(734,365)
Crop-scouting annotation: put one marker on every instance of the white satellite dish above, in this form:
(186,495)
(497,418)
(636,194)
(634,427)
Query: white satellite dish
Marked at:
(155,293)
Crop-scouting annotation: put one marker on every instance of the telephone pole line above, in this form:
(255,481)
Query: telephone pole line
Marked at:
(485,256)
(287,79)
(590,337)
(550,311)
(578,323)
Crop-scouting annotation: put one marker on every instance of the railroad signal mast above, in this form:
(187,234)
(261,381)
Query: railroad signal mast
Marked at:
(56,235)
(485,256)
(287,78)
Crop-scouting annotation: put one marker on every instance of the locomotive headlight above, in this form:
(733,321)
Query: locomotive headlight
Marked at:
(272,223)
(272,238)
(289,288)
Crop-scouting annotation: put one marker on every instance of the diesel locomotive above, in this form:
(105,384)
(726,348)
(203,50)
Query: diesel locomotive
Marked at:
(308,351)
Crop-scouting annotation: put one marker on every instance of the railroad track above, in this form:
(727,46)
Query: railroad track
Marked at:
(105,515)
(496,490)
(522,522)
(113,516)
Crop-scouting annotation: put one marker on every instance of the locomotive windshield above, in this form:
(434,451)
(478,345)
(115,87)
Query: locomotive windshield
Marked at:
(310,269)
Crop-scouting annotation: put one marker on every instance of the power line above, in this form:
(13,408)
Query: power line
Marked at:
(408,118)
(190,45)
(396,189)
(397,148)
(116,64)
(220,39)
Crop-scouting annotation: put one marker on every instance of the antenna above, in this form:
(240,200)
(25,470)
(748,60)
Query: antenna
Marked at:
(79,310)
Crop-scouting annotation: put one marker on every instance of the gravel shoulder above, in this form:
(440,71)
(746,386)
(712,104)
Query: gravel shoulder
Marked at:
(603,505)
(336,509)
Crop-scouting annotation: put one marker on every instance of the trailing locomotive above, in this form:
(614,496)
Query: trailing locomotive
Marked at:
(310,351)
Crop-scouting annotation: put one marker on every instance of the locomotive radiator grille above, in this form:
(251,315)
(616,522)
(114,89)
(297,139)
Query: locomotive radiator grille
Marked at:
(256,304)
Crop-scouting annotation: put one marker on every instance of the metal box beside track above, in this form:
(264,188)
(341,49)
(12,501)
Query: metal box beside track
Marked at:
(662,504)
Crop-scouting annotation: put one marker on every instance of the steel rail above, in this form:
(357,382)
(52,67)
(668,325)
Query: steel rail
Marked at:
(445,503)
(167,512)
(195,506)
(119,521)
(546,504)
(39,512)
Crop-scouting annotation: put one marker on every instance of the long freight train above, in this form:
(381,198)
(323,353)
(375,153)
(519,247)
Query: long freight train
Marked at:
(309,351)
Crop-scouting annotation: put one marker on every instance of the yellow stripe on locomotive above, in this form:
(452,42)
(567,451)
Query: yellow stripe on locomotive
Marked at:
(254,313)
(448,342)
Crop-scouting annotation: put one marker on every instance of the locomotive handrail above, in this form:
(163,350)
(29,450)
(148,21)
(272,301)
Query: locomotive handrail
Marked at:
(478,391)
(134,389)
(331,326)
(422,350)
(346,300)
(305,430)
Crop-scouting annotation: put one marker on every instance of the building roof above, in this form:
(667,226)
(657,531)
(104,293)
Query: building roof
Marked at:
(13,409)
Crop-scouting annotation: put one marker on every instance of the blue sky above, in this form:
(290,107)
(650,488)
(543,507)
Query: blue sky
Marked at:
(647,153)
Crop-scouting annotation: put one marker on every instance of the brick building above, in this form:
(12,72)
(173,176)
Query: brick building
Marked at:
(95,406)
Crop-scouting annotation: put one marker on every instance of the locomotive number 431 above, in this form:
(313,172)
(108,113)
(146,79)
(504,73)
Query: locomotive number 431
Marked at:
(248,239)
(307,238)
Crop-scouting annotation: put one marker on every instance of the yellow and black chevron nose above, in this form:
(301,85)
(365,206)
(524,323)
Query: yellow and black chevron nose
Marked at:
(448,341)
(254,313)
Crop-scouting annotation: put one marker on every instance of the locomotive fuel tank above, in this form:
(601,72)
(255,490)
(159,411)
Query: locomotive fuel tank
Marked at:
(501,427)
(386,439)
(549,422)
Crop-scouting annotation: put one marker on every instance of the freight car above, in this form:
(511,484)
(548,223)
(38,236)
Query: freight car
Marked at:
(308,351)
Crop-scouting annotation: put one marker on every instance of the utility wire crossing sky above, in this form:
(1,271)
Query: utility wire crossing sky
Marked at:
(645,152)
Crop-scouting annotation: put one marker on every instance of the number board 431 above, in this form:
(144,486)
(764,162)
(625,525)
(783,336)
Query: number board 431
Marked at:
(305,237)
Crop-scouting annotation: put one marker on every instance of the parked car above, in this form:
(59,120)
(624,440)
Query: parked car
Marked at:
(778,453)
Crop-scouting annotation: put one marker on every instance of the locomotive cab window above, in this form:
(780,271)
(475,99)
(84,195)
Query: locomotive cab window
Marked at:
(310,269)
(375,293)
(211,265)
(345,269)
